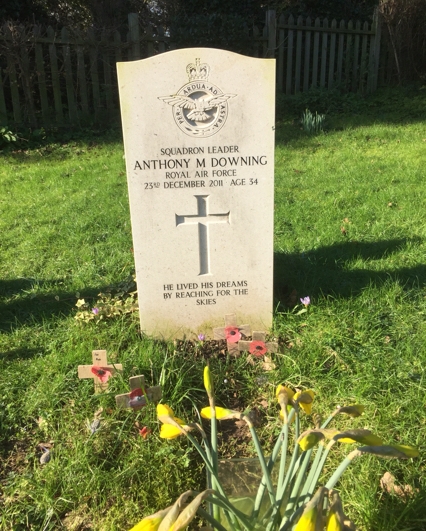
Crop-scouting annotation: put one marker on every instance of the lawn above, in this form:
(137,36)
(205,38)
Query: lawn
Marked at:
(350,233)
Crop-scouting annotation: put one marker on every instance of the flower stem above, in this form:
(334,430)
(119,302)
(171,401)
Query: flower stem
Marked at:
(266,473)
(218,486)
(306,457)
(341,468)
(209,518)
(282,442)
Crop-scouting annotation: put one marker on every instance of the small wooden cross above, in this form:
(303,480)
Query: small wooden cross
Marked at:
(257,345)
(137,397)
(232,332)
(99,359)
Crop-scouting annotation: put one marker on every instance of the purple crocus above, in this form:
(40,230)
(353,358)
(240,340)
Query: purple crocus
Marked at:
(306,301)
(95,311)
(201,337)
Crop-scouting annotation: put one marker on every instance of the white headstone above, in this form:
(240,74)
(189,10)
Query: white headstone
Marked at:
(198,128)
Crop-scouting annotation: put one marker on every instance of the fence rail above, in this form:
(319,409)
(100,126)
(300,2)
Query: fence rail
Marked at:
(68,77)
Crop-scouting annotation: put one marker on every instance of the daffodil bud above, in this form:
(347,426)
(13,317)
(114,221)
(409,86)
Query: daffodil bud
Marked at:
(208,383)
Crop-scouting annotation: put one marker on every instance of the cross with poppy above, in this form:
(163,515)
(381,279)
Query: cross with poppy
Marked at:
(232,332)
(139,395)
(257,346)
(100,370)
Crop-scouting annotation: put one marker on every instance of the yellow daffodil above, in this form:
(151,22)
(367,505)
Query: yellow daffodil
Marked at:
(221,413)
(360,436)
(284,389)
(335,517)
(305,399)
(163,410)
(309,439)
(169,431)
(398,451)
(152,522)
(312,518)
(172,426)
(409,451)
(284,396)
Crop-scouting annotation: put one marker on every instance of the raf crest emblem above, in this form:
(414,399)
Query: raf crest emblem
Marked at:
(199,107)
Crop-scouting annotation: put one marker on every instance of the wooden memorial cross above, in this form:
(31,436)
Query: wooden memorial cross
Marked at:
(232,332)
(257,346)
(137,397)
(100,370)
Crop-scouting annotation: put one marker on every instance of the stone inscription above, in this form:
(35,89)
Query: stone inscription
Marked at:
(181,168)
(205,293)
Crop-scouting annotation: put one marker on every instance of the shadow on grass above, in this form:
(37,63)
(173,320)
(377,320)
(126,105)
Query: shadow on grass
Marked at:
(325,271)
(19,307)
(392,106)
(401,511)
(20,354)
(60,144)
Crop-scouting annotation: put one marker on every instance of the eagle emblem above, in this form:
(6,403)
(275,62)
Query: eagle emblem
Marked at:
(199,107)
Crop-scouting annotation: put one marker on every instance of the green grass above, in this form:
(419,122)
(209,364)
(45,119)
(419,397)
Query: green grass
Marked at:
(350,232)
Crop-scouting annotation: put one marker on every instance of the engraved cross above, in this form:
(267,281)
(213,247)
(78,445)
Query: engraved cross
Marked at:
(203,219)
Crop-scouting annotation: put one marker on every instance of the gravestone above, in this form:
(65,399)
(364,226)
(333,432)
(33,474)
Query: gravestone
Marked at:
(198,128)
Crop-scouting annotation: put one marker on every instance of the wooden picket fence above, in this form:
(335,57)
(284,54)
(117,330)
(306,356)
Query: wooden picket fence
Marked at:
(49,78)
(315,54)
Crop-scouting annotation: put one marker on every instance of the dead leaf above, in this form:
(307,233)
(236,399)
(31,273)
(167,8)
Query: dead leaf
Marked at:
(45,445)
(250,360)
(343,231)
(268,364)
(264,403)
(98,412)
(388,484)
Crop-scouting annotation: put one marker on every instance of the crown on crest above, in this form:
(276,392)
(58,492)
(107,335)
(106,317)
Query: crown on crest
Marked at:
(198,71)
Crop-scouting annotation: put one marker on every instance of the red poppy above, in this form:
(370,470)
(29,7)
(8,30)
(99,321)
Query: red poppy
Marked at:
(145,431)
(232,334)
(102,373)
(258,348)
(137,398)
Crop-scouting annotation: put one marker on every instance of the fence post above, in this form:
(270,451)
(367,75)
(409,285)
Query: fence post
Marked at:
(271,24)
(135,45)
(3,110)
(41,76)
(280,65)
(373,66)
